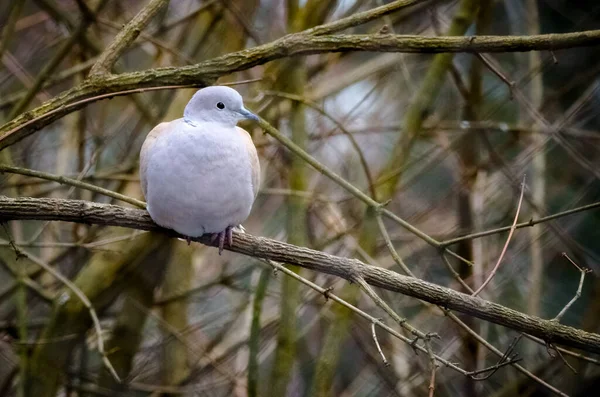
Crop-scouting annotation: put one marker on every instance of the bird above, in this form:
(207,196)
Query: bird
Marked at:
(200,174)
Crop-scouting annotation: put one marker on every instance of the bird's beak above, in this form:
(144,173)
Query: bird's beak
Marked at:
(248,114)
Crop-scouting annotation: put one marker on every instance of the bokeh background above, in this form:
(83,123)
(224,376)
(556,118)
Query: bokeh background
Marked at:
(448,148)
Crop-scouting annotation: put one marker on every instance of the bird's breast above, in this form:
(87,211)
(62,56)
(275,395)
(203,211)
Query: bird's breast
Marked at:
(199,179)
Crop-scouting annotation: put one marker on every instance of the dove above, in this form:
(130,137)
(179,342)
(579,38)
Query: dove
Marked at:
(200,174)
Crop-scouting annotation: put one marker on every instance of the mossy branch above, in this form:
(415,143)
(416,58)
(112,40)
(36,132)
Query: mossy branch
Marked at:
(126,36)
(206,73)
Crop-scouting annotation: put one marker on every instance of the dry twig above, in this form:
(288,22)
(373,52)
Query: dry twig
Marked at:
(583,271)
(65,297)
(512,229)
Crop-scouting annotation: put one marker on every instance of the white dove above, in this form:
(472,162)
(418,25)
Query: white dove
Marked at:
(200,173)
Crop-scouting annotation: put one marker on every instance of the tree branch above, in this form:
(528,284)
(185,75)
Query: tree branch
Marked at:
(25,208)
(206,73)
(126,36)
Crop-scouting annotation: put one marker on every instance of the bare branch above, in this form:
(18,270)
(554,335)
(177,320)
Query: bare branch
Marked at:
(374,321)
(303,43)
(507,358)
(359,18)
(512,229)
(353,142)
(583,272)
(72,182)
(126,36)
(111,215)
(86,302)
(374,334)
(530,223)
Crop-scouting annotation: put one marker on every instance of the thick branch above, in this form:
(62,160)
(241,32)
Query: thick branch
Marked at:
(110,215)
(205,73)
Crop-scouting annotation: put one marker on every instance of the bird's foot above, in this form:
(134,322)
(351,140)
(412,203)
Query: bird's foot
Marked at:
(225,234)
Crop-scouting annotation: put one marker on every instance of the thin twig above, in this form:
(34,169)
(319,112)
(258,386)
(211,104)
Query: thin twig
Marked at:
(86,302)
(529,223)
(241,82)
(564,351)
(455,274)
(386,308)
(126,36)
(512,229)
(150,38)
(500,354)
(308,195)
(72,182)
(81,103)
(203,7)
(462,325)
(53,63)
(583,271)
(506,359)
(329,295)
(433,368)
(339,125)
(496,70)
(550,347)
(199,354)
(289,144)
(451,315)
(390,246)
(374,334)
(494,368)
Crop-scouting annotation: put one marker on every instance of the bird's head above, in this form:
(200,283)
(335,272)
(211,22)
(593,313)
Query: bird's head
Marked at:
(218,104)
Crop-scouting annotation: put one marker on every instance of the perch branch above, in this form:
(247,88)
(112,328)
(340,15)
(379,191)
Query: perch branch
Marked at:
(79,211)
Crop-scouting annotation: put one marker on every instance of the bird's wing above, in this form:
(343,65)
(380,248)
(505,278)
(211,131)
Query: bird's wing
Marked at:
(254,163)
(144,153)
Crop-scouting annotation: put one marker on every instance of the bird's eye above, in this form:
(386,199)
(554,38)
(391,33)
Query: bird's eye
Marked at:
(220,105)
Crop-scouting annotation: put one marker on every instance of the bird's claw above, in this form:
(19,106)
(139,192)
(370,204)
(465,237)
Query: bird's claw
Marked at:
(229,232)
(225,234)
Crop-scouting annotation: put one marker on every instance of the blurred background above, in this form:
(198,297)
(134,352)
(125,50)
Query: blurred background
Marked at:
(448,139)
